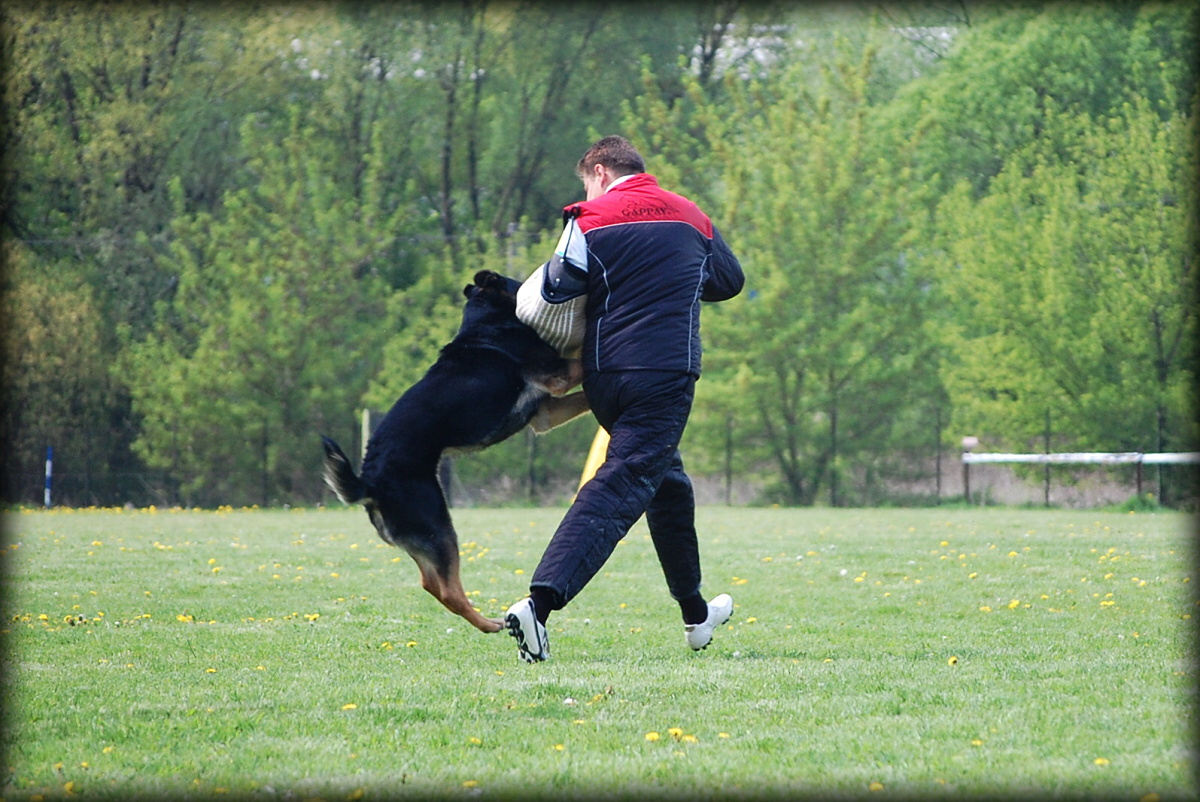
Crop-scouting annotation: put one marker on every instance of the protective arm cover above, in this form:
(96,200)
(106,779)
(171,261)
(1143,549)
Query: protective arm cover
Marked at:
(565,277)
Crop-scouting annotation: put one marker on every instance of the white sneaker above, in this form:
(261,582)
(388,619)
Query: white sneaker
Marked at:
(533,645)
(700,635)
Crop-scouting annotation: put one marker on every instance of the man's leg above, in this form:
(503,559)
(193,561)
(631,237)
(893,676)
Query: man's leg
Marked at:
(671,516)
(645,414)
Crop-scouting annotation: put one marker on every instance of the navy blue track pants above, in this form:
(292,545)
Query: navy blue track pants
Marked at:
(644,413)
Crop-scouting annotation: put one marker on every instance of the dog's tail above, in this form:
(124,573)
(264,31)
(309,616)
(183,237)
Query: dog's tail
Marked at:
(340,477)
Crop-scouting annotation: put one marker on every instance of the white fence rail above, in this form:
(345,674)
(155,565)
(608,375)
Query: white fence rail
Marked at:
(1078,458)
(1088,457)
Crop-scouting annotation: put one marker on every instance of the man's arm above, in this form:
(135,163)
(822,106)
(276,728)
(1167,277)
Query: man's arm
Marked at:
(725,277)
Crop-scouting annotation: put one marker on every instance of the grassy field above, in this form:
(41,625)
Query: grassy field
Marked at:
(901,653)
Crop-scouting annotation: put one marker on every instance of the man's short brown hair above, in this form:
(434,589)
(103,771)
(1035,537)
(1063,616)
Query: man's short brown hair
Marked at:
(615,153)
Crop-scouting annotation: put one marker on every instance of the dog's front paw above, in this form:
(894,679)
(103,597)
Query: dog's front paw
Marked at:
(496,624)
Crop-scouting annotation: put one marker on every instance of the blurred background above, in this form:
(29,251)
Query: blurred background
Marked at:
(229,227)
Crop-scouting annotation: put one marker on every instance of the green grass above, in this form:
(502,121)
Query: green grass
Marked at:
(903,653)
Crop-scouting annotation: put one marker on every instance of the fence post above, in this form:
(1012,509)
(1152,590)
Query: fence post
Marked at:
(937,442)
(1046,473)
(968,444)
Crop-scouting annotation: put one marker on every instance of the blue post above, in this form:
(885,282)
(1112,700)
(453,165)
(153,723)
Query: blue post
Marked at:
(49,473)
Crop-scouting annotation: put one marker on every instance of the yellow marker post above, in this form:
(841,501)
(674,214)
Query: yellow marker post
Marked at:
(595,457)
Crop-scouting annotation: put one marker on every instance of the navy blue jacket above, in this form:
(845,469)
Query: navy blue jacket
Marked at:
(651,257)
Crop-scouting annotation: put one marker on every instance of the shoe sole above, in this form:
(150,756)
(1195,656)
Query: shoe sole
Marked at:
(514,629)
(718,624)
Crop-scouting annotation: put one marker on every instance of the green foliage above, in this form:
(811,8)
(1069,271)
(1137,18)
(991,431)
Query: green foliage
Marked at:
(988,97)
(249,361)
(827,343)
(261,217)
(1078,270)
(53,375)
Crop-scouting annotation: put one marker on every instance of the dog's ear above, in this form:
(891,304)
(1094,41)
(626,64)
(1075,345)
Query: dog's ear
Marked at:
(486,279)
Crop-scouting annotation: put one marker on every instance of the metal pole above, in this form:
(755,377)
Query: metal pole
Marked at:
(49,474)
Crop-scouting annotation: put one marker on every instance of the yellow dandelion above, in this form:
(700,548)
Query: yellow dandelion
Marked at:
(471,784)
(210,671)
(475,741)
(1102,761)
(559,747)
(652,736)
(952,661)
(411,644)
(723,735)
(1014,604)
(875,786)
(985,609)
(350,706)
(675,732)
(976,742)
(690,739)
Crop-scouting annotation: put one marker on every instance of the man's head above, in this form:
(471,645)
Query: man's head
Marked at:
(607,160)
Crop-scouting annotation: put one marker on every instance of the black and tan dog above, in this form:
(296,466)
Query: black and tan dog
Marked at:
(494,378)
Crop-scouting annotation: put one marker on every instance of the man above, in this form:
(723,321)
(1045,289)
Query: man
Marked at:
(645,257)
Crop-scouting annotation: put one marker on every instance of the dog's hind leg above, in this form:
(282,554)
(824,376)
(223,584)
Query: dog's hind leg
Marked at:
(444,583)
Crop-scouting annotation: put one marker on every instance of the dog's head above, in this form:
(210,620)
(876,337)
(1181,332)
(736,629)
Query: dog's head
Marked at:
(494,285)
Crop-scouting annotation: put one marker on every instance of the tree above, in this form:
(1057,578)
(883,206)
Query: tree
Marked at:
(55,374)
(828,344)
(274,330)
(987,97)
(1076,282)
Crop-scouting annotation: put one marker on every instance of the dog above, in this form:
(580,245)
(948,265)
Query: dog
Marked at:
(493,379)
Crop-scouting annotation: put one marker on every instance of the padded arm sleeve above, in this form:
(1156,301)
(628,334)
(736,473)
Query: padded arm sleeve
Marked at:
(565,275)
